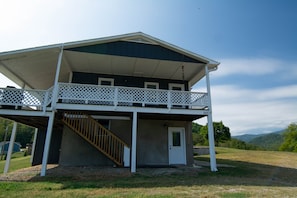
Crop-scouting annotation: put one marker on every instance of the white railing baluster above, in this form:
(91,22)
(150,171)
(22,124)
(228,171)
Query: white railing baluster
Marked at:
(169,105)
(115,101)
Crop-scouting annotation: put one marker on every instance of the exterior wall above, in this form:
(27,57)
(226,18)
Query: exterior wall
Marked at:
(189,144)
(152,144)
(54,152)
(122,129)
(75,151)
(126,81)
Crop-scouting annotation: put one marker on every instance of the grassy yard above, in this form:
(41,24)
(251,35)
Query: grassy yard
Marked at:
(243,174)
(18,161)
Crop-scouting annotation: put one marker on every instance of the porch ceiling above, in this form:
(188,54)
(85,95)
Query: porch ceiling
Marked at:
(131,66)
(33,121)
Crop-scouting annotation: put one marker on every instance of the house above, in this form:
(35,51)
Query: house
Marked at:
(4,147)
(122,100)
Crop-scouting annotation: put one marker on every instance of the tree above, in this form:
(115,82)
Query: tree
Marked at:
(5,125)
(238,144)
(24,133)
(198,139)
(221,132)
(290,139)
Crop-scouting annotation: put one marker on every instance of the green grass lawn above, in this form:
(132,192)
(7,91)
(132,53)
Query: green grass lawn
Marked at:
(18,161)
(249,174)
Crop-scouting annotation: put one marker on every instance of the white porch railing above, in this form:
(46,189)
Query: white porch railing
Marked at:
(129,96)
(13,98)
(70,93)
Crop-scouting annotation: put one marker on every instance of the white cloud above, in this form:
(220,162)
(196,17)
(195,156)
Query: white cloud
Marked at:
(248,66)
(254,111)
(289,91)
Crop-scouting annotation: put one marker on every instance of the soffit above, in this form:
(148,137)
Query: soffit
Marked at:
(132,66)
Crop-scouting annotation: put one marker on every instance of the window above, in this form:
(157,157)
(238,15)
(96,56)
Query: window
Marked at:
(176,139)
(152,97)
(106,81)
(151,85)
(176,87)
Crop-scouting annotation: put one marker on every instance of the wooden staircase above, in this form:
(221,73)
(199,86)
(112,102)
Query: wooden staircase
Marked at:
(97,135)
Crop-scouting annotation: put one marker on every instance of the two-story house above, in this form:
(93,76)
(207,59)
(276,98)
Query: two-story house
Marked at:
(123,100)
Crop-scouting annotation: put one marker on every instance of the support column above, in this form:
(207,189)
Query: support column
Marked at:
(10,148)
(134,139)
(47,143)
(56,88)
(33,145)
(213,163)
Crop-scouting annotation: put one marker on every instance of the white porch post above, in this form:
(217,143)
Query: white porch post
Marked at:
(47,143)
(33,145)
(10,148)
(56,90)
(213,163)
(134,138)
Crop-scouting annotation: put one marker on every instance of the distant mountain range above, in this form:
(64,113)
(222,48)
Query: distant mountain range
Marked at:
(268,141)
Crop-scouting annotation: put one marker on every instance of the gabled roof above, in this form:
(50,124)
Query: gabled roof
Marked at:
(135,54)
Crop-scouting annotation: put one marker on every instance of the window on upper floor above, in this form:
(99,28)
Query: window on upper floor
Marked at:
(106,81)
(151,85)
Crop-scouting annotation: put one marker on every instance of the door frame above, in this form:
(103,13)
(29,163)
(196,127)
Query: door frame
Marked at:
(183,143)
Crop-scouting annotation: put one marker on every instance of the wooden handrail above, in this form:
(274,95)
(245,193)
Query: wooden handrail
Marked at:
(97,135)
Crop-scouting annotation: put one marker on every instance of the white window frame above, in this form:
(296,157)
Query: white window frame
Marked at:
(171,85)
(146,84)
(111,80)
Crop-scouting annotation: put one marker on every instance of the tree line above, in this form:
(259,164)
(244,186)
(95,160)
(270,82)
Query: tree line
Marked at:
(24,133)
(223,137)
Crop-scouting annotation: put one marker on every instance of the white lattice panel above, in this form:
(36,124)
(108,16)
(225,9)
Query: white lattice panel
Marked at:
(90,94)
(21,97)
(127,96)
(102,95)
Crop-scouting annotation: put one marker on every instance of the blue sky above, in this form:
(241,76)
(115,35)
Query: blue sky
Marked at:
(255,88)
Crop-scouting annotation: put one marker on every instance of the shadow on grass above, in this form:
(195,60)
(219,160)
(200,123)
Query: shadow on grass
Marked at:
(242,173)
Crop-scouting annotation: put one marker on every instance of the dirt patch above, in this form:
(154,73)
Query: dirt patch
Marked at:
(93,173)
(89,173)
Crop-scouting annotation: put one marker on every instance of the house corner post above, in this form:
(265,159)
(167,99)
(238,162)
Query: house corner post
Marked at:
(47,143)
(134,141)
(213,163)
(10,148)
(56,88)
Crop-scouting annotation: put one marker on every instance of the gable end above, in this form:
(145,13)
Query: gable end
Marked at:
(134,49)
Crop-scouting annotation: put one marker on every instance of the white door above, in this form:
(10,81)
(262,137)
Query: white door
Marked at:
(176,145)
